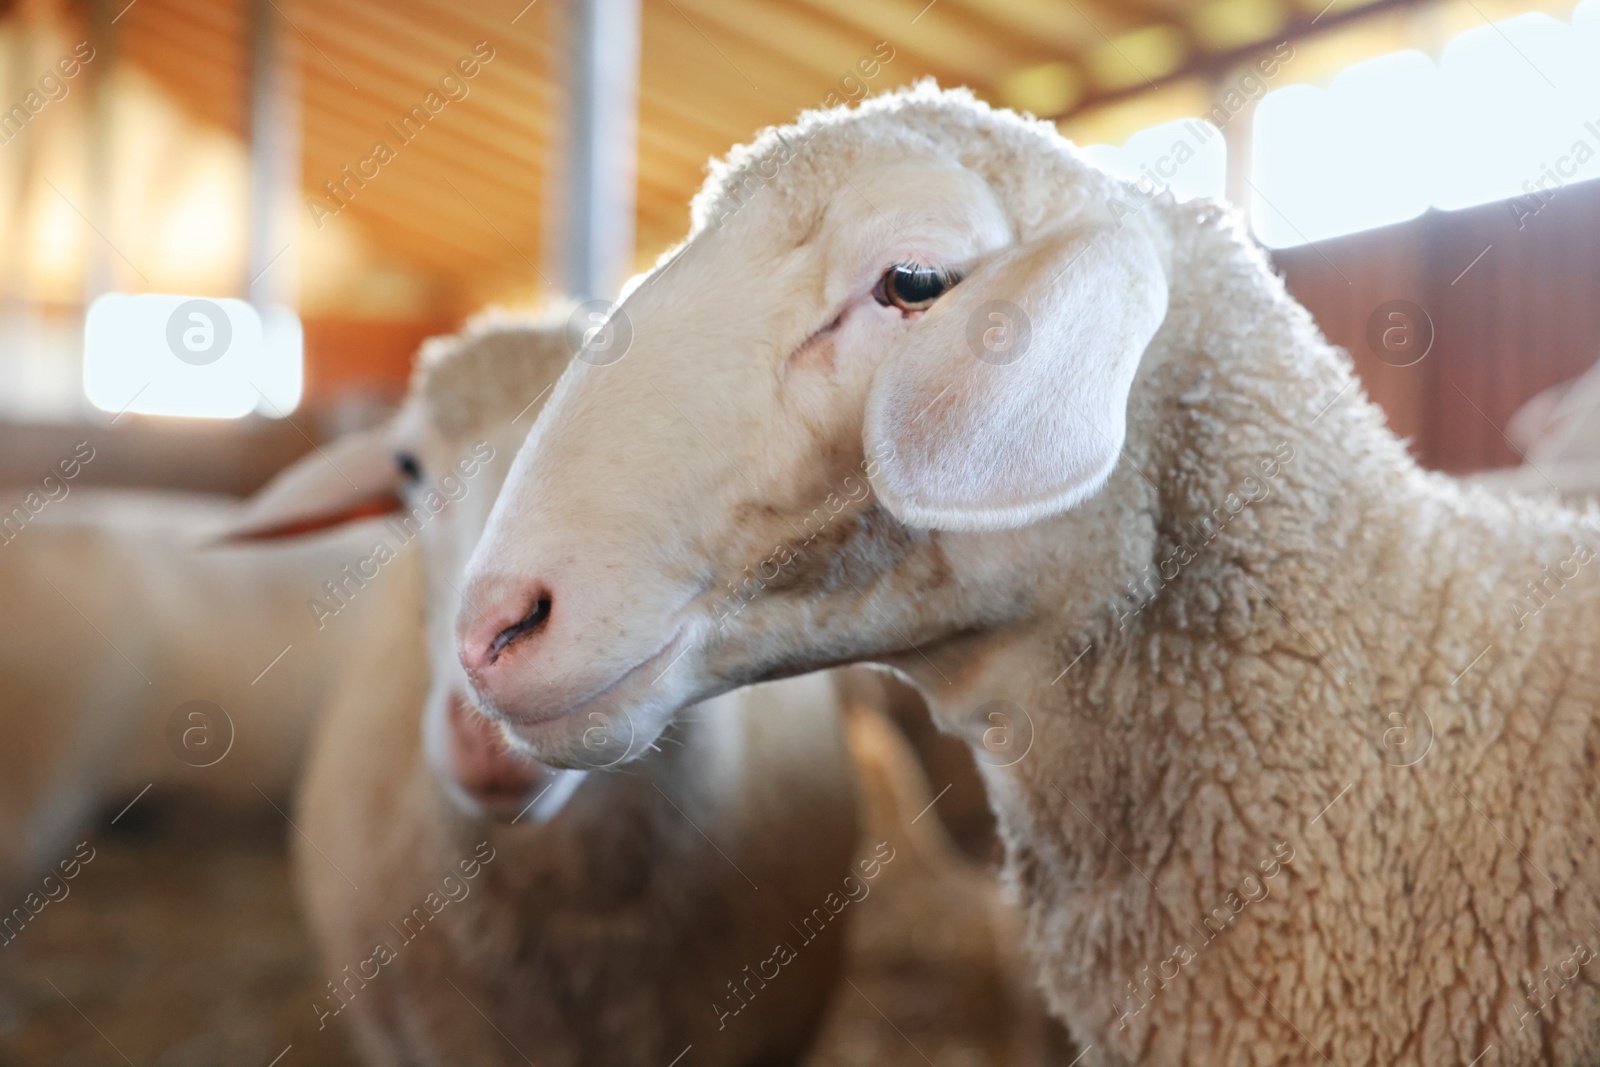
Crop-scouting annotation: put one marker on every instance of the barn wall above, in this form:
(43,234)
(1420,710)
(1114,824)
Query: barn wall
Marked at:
(1523,317)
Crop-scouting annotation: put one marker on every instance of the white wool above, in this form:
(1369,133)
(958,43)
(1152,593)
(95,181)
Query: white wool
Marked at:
(608,931)
(1269,652)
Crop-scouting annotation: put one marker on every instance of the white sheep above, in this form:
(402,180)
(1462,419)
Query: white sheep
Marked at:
(623,923)
(1557,433)
(608,920)
(1559,422)
(1291,743)
(124,636)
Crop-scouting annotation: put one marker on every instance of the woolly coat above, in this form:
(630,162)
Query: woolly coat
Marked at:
(1308,775)
(1311,750)
(612,933)
(1316,781)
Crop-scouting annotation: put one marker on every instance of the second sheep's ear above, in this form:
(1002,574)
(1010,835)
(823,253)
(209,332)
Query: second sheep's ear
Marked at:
(1008,401)
(354,477)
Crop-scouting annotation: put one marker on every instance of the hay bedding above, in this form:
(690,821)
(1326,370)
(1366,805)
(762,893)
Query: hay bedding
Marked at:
(180,944)
(179,941)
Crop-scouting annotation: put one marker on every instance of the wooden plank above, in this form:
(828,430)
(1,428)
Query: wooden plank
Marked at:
(949,47)
(1218,64)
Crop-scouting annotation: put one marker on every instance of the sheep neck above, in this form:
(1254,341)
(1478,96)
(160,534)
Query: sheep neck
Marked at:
(1219,708)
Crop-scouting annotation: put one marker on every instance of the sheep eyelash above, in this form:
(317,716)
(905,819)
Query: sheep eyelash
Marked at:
(950,276)
(947,278)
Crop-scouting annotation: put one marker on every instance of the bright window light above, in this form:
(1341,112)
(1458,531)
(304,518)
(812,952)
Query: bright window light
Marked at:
(1518,100)
(1188,156)
(1509,112)
(283,362)
(192,356)
(1355,155)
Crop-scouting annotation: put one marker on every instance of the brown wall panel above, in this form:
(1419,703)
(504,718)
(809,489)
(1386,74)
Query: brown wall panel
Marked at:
(1511,299)
(363,355)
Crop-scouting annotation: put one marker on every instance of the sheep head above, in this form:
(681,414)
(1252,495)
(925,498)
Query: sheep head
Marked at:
(896,337)
(434,469)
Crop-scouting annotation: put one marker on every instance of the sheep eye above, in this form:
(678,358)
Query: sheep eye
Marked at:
(407,465)
(911,287)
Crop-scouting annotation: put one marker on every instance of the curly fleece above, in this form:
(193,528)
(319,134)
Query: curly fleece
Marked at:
(1270,635)
(500,360)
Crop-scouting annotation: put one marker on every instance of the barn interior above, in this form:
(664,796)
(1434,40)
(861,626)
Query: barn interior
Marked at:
(374,174)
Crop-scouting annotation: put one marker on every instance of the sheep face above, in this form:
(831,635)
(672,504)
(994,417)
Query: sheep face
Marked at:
(458,474)
(442,458)
(452,446)
(844,395)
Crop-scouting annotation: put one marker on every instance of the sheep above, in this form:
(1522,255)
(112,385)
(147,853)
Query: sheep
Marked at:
(615,918)
(1557,423)
(119,619)
(1290,742)
(612,920)
(1554,433)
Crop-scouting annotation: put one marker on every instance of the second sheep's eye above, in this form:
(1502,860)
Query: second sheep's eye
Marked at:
(912,287)
(409,468)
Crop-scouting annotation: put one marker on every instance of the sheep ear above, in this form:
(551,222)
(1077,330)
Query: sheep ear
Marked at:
(1008,401)
(352,478)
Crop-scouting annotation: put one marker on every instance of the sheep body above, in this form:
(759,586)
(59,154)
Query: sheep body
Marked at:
(1350,686)
(119,616)
(633,923)
(650,913)
(608,935)
(1312,764)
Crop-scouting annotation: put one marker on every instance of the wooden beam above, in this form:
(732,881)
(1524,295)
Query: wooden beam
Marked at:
(950,51)
(1217,65)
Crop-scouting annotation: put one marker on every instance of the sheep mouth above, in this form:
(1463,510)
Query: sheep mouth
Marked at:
(599,717)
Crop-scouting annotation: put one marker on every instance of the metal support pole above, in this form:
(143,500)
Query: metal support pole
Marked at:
(99,272)
(272,277)
(1237,135)
(602,136)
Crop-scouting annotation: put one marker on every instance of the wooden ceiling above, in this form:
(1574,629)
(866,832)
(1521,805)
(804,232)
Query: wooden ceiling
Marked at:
(460,206)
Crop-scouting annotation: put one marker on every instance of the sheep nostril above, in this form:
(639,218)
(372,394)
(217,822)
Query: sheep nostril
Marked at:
(528,624)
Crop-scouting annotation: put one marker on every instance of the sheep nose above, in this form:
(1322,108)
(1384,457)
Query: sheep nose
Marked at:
(491,629)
